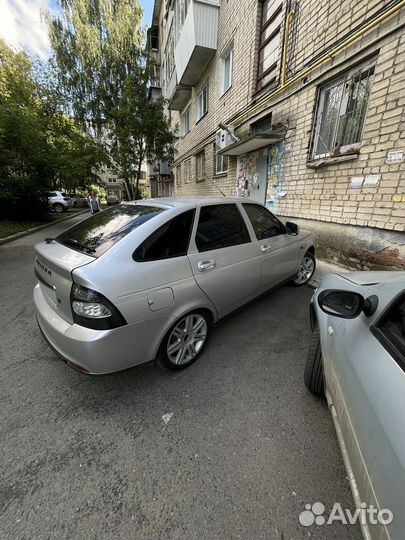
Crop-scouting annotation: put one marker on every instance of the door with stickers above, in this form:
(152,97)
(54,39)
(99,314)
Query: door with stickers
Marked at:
(257,176)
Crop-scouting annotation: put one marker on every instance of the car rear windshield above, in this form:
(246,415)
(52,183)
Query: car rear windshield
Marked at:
(96,235)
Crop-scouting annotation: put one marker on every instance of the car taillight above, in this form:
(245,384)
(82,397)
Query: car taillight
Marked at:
(92,310)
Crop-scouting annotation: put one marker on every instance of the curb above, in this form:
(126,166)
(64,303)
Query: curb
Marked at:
(35,229)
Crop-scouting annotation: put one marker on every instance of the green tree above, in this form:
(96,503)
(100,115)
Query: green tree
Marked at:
(40,147)
(139,130)
(103,70)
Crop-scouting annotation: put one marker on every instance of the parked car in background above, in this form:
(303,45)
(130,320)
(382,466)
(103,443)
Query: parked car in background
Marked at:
(59,202)
(147,279)
(357,359)
(78,201)
(112,199)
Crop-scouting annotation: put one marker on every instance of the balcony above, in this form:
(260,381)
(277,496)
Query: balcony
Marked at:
(197,41)
(177,94)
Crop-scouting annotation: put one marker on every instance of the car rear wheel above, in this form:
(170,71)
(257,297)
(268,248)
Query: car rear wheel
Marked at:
(59,208)
(305,271)
(185,340)
(313,374)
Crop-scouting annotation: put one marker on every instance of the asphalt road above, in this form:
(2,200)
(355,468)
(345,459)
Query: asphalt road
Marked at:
(91,457)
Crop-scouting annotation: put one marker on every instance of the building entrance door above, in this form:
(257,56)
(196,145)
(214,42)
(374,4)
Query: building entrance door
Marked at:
(256,175)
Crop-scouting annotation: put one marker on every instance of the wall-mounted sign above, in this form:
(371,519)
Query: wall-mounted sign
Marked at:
(372,180)
(356,182)
(395,156)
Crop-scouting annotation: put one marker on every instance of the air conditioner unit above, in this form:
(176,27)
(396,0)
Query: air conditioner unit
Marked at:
(223,139)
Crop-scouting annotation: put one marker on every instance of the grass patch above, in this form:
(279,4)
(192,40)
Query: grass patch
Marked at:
(7,228)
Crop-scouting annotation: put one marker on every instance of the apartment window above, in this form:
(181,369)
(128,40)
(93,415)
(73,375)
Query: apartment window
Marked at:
(227,68)
(112,180)
(178,175)
(220,162)
(186,121)
(203,102)
(187,171)
(270,36)
(200,166)
(342,108)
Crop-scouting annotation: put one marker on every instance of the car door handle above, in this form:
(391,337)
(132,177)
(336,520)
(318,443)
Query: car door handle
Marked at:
(203,266)
(265,248)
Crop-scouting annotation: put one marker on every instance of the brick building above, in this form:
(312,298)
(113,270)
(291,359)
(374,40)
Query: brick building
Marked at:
(299,104)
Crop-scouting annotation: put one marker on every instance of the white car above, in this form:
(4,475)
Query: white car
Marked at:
(58,201)
(357,360)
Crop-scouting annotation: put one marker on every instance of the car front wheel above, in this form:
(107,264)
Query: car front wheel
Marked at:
(305,271)
(185,340)
(313,374)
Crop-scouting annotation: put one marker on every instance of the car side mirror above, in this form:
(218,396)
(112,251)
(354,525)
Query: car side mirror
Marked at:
(291,228)
(346,304)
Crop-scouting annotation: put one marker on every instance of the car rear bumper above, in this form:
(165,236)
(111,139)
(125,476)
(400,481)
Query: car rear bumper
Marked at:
(96,352)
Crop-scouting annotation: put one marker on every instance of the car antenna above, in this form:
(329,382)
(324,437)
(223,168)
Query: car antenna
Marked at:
(214,184)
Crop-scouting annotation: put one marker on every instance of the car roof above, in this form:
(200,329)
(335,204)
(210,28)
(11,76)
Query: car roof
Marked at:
(191,201)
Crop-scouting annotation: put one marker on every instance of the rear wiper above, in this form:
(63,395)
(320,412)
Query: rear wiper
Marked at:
(75,243)
(49,240)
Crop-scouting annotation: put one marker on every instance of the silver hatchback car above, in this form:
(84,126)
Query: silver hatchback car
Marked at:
(357,359)
(147,279)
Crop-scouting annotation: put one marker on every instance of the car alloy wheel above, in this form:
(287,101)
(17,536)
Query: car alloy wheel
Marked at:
(306,270)
(186,340)
(58,208)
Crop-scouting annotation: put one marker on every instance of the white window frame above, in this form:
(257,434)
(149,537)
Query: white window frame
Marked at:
(343,103)
(178,175)
(200,101)
(200,166)
(227,54)
(222,158)
(186,170)
(183,120)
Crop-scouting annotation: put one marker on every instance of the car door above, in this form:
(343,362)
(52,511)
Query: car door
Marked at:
(366,382)
(279,251)
(224,260)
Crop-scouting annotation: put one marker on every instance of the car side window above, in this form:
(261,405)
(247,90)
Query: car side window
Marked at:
(170,240)
(264,223)
(390,330)
(220,226)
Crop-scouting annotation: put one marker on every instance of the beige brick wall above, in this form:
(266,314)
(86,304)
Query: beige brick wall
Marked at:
(325,194)
(322,194)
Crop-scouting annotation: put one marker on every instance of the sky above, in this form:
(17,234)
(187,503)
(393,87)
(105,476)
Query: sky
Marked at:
(22,25)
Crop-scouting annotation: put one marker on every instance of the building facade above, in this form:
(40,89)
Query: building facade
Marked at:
(113,185)
(297,104)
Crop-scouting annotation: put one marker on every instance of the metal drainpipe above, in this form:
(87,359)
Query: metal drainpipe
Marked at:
(290,17)
(240,120)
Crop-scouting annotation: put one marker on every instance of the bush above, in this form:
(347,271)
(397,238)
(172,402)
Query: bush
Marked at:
(22,199)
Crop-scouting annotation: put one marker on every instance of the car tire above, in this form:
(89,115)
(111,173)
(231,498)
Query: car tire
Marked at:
(59,208)
(178,349)
(305,271)
(314,374)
